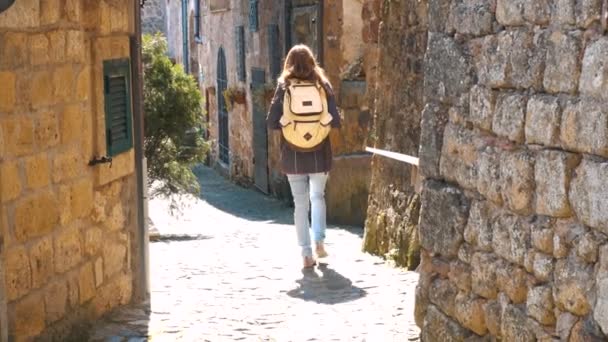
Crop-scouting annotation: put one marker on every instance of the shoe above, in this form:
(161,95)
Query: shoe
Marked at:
(309,262)
(321,252)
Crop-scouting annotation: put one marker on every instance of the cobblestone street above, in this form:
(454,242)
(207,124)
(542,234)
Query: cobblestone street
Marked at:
(228,269)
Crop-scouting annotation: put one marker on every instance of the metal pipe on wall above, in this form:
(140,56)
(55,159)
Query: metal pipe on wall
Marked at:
(142,280)
(185,36)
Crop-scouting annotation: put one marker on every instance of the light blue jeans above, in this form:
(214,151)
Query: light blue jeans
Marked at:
(309,193)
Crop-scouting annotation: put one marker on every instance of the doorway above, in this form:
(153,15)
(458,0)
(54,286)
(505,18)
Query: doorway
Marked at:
(260,133)
(306,25)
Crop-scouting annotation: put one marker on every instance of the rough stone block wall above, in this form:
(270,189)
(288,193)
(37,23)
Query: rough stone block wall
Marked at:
(514,151)
(392,216)
(66,228)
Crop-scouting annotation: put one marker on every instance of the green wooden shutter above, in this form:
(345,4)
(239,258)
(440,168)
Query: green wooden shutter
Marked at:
(117,95)
(253,15)
(197,19)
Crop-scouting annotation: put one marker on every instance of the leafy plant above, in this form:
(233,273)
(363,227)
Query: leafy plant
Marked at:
(174,120)
(234,95)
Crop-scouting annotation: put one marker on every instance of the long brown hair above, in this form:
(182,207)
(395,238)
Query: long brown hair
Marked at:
(302,64)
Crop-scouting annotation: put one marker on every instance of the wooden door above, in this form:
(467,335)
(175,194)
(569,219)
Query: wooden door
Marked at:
(306,25)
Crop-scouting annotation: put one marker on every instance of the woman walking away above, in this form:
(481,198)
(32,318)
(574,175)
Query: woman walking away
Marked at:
(304,109)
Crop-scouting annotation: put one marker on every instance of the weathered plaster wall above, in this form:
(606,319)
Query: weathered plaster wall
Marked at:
(514,151)
(258,53)
(352,28)
(218,29)
(391,227)
(371,17)
(174,30)
(154,17)
(67,229)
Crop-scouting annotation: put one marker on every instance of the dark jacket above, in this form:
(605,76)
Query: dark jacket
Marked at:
(292,161)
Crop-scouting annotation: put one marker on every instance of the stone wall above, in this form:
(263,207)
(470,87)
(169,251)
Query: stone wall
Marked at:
(154,17)
(67,230)
(343,51)
(514,152)
(391,227)
(3,313)
(216,24)
(347,190)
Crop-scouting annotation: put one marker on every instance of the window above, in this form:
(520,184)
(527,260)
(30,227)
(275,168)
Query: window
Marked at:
(117,97)
(222,111)
(253,15)
(197,21)
(240,53)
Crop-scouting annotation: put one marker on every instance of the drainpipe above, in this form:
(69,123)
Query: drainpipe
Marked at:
(185,37)
(142,280)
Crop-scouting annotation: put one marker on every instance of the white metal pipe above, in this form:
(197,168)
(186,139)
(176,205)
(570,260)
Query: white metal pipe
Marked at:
(394,155)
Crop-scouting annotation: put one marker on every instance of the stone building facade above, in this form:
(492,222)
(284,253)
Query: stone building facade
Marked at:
(253,36)
(395,56)
(154,17)
(514,153)
(69,243)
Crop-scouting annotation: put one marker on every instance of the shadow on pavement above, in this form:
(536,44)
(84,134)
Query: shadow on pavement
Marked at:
(324,285)
(178,238)
(359,231)
(237,201)
(127,323)
(247,203)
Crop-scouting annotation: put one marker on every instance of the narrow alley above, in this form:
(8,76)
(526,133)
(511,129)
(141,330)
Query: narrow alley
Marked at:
(228,269)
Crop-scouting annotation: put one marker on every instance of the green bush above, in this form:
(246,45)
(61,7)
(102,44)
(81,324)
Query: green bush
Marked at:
(174,121)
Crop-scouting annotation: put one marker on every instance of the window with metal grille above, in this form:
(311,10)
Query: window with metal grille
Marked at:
(274,51)
(253,15)
(197,21)
(117,97)
(240,53)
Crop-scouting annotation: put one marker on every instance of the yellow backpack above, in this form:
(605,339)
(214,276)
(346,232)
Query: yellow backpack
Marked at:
(306,120)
